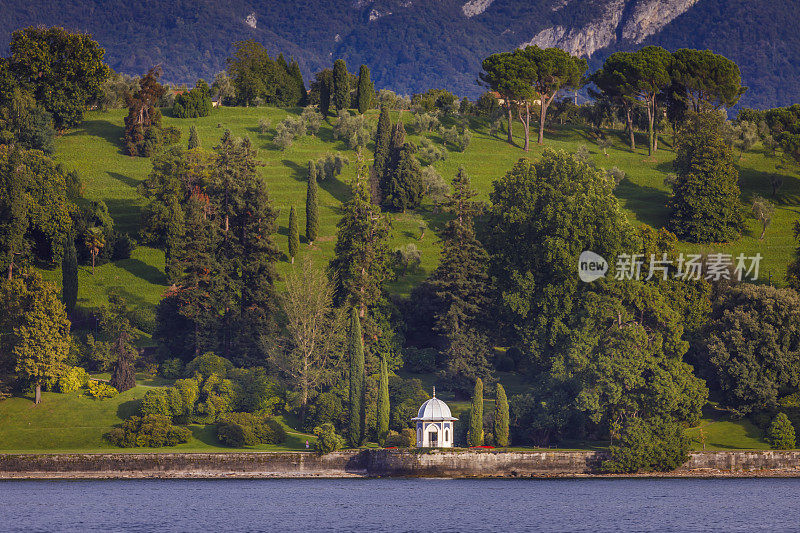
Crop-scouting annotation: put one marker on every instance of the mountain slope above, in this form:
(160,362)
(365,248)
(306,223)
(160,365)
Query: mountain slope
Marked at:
(412,45)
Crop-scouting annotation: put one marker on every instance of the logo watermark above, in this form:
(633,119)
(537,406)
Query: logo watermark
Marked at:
(712,267)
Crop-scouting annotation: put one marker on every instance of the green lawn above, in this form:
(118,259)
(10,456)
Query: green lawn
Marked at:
(94,150)
(76,423)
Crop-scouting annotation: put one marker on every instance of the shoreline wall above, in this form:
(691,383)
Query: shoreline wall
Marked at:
(375,463)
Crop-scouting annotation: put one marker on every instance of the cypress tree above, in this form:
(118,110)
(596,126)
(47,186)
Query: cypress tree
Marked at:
(194,138)
(366,90)
(341,85)
(297,79)
(383,137)
(294,234)
(325,81)
(69,275)
(383,404)
(312,206)
(500,417)
(404,188)
(475,436)
(396,142)
(356,353)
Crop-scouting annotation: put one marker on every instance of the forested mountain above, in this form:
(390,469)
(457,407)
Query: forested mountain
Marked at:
(412,45)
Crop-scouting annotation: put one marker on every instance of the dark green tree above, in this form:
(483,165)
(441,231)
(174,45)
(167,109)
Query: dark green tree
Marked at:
(69,275)
(500,73)
(116,325)
(366,90)
(355,352)
(475,434)
(341,86)
(194,138)
(64,71)
(500,417)
(616,84)
(383,137)
(750,349)
(143,122)
(404,188)
(648,72)
(382,429)
(543,215)
(297,78)
(705,194)
(322,90)
(780,434)
(647,446)
(312,205)
(294,234)
(704,80)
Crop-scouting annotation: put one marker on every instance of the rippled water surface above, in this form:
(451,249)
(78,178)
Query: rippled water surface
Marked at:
(402,505)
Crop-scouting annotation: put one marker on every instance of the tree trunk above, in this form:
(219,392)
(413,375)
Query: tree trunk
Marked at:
(763,231)
(38,395)
(650,119)
(94,256)
(542,115)
(526,125)
(629,120)
(510,121)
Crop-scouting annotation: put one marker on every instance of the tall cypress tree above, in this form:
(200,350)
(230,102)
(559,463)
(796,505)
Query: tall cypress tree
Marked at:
(500,417)
(297,78)
(355,345)
(383,137)
(341,85)
(382,429)
(312,205)
(366,90)
(294,234)
(324,80)
(194,138)
(69,275)
(397,140)
(475,436)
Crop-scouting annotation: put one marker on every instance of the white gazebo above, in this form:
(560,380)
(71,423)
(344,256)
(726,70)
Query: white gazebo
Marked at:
(434,424)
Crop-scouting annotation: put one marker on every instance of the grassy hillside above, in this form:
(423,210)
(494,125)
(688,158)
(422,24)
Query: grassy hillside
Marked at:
(94,150)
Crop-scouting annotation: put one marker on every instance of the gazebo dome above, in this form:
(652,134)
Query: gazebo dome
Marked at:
(434,409)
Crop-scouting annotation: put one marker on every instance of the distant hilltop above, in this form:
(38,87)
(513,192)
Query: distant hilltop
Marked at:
(413,45)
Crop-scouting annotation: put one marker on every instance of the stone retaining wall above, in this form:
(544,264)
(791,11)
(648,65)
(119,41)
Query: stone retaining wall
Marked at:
(373,463)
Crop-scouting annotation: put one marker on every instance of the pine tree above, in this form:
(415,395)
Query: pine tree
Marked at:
(341,86)
(404,188)
(383,138)
(312,205)
(382,429)
(294,234)
(117,327)
(69,275)
(360,263)
(355,352)
(366,90)
(500,417)
(194,138)
(475,435)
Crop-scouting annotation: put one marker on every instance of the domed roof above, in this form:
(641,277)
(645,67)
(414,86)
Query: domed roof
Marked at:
(434,409)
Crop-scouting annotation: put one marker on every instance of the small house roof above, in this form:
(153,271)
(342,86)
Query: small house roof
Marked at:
(434,410)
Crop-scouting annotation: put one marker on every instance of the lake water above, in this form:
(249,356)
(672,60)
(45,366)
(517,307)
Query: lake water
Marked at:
(440,505)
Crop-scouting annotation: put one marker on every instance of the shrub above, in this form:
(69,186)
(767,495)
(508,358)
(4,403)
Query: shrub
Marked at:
(780,434)
(98,353)
(172,368)
(330,166)
(144,319)
(647,446)
(420,360)
(436,188)
(193,104)
(218,397)
(283,138)
(72,379)
(151,431)
(263,125)
(255,391)
(247,429)
(353,130)
(404,439)
(428,153)
(424,122)
(170,135)
(326,408)
(459,140)
(177,401)
(327,439)
(616,175)
(312,119)
(122,246)
(100,390)
(207,364)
